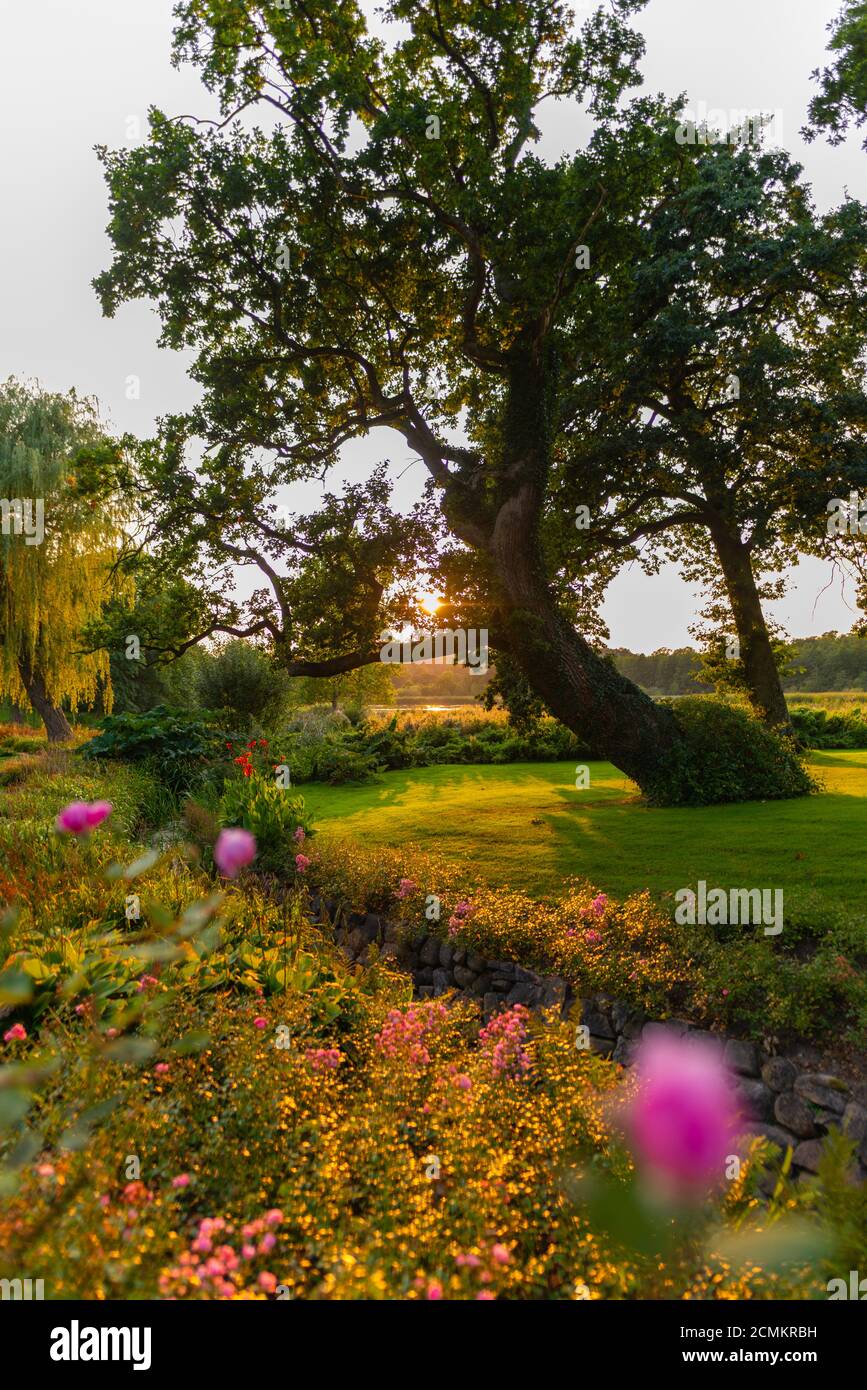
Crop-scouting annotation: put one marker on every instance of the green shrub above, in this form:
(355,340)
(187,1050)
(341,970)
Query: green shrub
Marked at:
(244,681)
(259,805)
(816,728)
(729,755)
(172,744)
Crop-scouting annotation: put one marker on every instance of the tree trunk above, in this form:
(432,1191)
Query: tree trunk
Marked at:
(55,721)
(764,686)
(17,715)
(580,687)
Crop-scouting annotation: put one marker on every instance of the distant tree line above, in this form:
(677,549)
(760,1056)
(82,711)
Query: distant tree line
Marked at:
(830,662)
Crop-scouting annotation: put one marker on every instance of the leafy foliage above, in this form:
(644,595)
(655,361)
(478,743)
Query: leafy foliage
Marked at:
(173,743)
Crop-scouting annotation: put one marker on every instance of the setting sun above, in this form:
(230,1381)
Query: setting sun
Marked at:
(430,602)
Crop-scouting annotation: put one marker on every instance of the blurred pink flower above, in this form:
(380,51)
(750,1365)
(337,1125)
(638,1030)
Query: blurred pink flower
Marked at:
(260,1023)
(684,1118)
(17,1033)
(434,1290)
(406,888)
(182,1180)
(300,835)
(302,863)
(80,816)
(592,937)
(161,1068)
(234,849)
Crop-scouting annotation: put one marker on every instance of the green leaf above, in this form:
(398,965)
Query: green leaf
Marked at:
(134,1050)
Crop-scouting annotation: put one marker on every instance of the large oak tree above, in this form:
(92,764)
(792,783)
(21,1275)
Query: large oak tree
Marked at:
(392,252)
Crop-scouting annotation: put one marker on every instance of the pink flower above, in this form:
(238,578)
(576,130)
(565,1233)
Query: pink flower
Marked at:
(161,1068)
(248,1251)
(80,816)
(234,849)
(300,835)
(273,1217)
(302,863)
(267,1282)
(500,1254)
(484,1296)
(592,937)
(685,1116)
(182,1180)
(17,1033)
(146,982)
(260,1023)
(406,888)
(434,1290)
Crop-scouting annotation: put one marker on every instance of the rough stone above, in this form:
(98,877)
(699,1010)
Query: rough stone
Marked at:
(604,1046)
(742,1057)
(672,1027)
(482,983)
(447,954)
(430,952)
(463,976)
(460,956)
(526,977)
(372,927)
(597,1021)
(502,967)
(392,931)
(823,1090)
(855,1121)
(501,984)
(759,1098)
(521,994)
(625,1050)
(491,1004)
(476,962)
(441,981)
(703,1037)
(634,1025)
(424,976)
(808,1155)
(425,991)
(356,941)
(795,1114)
(779,1073)
(555,991)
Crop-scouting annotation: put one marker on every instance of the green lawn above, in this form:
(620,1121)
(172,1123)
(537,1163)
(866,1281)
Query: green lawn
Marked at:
(526,826)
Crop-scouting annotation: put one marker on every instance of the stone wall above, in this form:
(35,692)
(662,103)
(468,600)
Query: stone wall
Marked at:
(789,1104)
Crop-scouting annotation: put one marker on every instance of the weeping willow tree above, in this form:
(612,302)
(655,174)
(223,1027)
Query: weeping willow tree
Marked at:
(62,511)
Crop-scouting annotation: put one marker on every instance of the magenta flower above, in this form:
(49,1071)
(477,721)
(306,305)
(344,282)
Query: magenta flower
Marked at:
(235,848)
(300,835)
(182,1180)
(592,937)
(260,1023)
(81,816)
(685,1116)
(17,1033)
(302,863)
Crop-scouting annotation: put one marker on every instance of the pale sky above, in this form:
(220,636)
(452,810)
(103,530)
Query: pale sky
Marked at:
(73,75)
